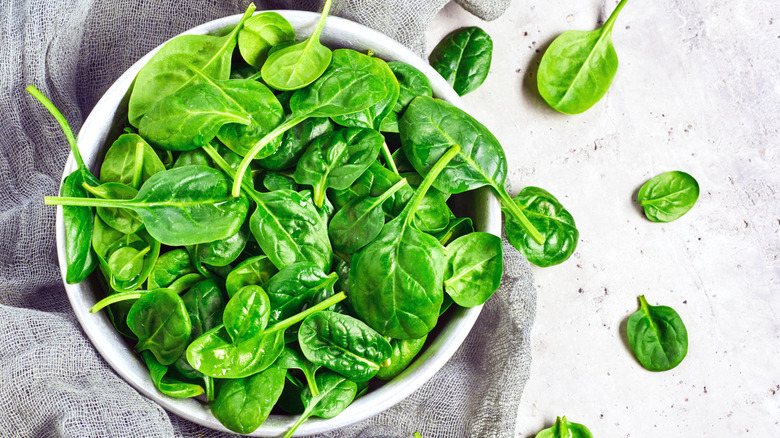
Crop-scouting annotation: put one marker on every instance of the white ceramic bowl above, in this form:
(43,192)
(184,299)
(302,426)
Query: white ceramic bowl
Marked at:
(99,129)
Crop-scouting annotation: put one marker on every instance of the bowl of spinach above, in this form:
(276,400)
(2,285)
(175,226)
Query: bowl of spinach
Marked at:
(247,213)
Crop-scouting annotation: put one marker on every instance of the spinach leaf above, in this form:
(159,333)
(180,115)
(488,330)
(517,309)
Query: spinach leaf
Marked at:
(182,206)
(343,344)
(463,58)
(260,33)
(168,70)
(430,126)
(373,116)
(220,252)
(252,271)
(167,385)
(300,64)
(337,159)
(247,313)
(294,143)
(668,196)
(375,181)
(161,323)
(578,67)
(395,282)
(293,358)
(242,405)
(294,285)
(475,264)
(146,250)
(190,118)
(360,221)
(168,267)
(565,429)
(277,181)
(216,353)
(336,393)
(404,351)
(412,83)
(122,220)
(658,336)
(79,221)
(433,215)
(127,262)
(554,222)
(130,161)
(351,83)
(194,157)
(456,228)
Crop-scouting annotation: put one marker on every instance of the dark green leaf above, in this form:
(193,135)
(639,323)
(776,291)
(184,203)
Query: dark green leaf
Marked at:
(161,323)
(242,405)
(167,385)
(130,161)
(463,58)
(565,429)
(404,351)
(253,271)
(668,196)
(260,33)
(658,336)
(475,264)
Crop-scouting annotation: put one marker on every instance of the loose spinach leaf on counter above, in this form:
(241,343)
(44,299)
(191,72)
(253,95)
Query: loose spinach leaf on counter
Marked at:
(299,64)
(79,220)
(182,206)
(553,221)
(242,405)
(578,67)
(658,336)
(260,33)
(343,344)
(463,58)
(168,71)
(565,429)
(475,264)
(668,196)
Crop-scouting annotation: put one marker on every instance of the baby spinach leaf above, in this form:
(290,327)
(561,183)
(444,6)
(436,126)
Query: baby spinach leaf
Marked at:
(294,285)
(433,215)
(343,344)
(247,313)
(127,262)
(351,83)
(190,117)
(277,181)
(404,352)
(146,249)
(167,385)
(463,58)
(395,282)
(658,336)
(337,159)
(336,393)
(122,220)
(168,267)
(167,72)
(565,429)
(293,358)
(456,228)
(359,222)
(429,127)
(260,33)
(79,221)
(294,143)
(220,252)
(475,264)
(578,67)
(412,83)
(300,64)
(255,270)
(373,116)
(130,161)
(553,221)
(182,206)
(668,196)
(161,323)
(242,405)
(194,157)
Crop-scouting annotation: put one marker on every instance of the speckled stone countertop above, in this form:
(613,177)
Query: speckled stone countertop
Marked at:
(697,90)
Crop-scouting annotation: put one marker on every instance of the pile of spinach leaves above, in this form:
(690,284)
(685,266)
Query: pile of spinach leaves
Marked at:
(263,241)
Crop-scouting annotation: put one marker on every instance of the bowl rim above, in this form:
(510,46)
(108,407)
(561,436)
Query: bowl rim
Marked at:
(337,32)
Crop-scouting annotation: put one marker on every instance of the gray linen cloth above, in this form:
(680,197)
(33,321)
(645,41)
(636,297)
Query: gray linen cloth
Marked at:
(52,381)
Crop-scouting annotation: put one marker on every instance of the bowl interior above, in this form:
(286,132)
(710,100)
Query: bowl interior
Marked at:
(101,128)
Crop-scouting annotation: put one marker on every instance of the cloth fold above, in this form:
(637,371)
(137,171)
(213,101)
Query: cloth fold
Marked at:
(52,381)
